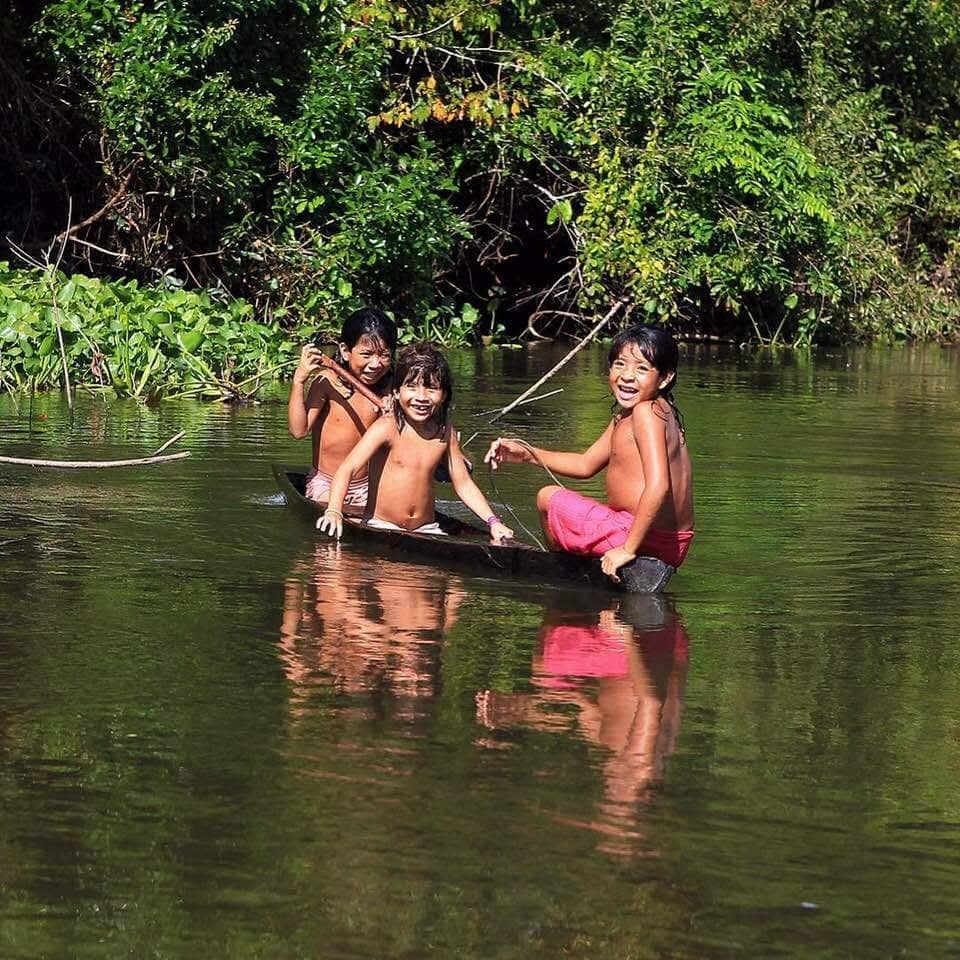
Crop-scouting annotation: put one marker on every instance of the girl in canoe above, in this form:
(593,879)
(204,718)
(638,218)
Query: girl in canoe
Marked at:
(404,452)
(335,413)
(649,507)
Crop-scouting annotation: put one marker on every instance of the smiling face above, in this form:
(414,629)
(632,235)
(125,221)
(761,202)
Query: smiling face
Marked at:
(369,359)
(420,399)
(634,379)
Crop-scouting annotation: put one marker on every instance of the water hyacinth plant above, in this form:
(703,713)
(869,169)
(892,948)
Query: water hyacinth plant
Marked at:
(137,341)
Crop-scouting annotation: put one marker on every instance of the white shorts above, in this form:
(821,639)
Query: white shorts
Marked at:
(432,528)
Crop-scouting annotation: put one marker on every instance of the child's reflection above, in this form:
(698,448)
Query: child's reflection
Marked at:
(361,625)
(624,671)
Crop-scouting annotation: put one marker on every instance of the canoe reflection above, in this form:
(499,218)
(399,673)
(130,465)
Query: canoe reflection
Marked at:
(623,670)
(359,625)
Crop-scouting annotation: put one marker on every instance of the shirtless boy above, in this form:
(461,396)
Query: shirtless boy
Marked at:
(332,410)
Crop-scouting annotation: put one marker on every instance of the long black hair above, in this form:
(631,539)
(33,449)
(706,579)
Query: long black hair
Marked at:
(369,322)
(423,363)
(659,349)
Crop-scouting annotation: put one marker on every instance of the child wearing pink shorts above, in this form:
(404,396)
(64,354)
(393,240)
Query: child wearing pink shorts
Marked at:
(649,508)
(579,524)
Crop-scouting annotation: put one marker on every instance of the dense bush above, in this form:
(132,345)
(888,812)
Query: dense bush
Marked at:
(775,171)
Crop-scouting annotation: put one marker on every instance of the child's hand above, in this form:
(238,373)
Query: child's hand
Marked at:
(331,523)
(309,363)
(614,559)
(507,451)
(500,532)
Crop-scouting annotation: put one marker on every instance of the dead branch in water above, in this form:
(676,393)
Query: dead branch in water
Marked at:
(87,464)
(28,462)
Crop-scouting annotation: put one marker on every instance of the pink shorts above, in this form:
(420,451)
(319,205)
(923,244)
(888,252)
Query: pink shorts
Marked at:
(581,525)
(318,488)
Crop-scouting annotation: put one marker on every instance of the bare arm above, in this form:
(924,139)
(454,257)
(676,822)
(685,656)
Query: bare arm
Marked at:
(580,466)
(378,434)
(302,413)
(650,434)
(468,491)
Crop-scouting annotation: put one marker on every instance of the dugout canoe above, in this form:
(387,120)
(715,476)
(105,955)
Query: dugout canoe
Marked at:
(468,548)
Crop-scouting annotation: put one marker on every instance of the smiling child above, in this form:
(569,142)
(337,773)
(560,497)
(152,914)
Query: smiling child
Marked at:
(331,409)
(404,451)
(649,507)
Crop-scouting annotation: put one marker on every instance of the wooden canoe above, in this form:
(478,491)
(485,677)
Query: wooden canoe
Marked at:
(468,548)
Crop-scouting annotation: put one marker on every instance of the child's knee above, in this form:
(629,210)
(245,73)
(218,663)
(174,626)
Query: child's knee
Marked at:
(544,496)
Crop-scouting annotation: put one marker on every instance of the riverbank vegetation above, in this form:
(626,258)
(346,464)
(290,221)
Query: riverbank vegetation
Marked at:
(781,172)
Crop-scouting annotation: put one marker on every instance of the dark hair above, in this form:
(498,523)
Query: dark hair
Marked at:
(659,349)
(423,363)
(369,322)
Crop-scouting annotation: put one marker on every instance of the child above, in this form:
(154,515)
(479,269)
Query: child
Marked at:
(336,414)
(413,442)
(649,507)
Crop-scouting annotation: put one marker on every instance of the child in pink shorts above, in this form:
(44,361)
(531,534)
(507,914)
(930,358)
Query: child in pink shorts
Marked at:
(649,480)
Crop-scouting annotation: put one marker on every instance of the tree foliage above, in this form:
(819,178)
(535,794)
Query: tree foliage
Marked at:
(783,171)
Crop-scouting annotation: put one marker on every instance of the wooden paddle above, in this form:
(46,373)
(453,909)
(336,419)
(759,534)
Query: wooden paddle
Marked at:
(357,385)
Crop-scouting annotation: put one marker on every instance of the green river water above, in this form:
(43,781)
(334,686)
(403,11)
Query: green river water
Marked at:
(222,738)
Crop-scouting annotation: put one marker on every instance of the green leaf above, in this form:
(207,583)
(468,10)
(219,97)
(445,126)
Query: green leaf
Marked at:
(562,210)
(190,341)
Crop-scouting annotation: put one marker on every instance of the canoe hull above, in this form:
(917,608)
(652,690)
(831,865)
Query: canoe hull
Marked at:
(469,548)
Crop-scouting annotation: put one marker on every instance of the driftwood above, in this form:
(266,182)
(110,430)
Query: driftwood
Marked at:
(90,464)
(76,464)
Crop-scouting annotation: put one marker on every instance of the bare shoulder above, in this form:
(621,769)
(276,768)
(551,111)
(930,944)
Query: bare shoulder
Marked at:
(322,382)
(319,389)
(383,429)
(648,416)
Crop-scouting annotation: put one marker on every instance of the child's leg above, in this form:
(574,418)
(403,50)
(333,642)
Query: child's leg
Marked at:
(543,505)
(580,524)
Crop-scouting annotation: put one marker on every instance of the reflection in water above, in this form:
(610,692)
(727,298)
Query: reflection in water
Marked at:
(622,670)
(362,626)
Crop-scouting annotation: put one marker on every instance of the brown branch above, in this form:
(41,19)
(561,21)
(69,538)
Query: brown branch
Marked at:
(102,212)
(608,316)
(94,463)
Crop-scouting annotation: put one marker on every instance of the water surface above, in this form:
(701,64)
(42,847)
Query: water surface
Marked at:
(220,737)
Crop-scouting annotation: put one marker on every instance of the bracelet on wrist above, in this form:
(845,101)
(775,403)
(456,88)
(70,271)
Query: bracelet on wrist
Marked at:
(492,519)
(332,513)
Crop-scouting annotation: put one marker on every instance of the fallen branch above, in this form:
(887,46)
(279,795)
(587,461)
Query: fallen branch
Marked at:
(583,342)
(22,461)
(169,443)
